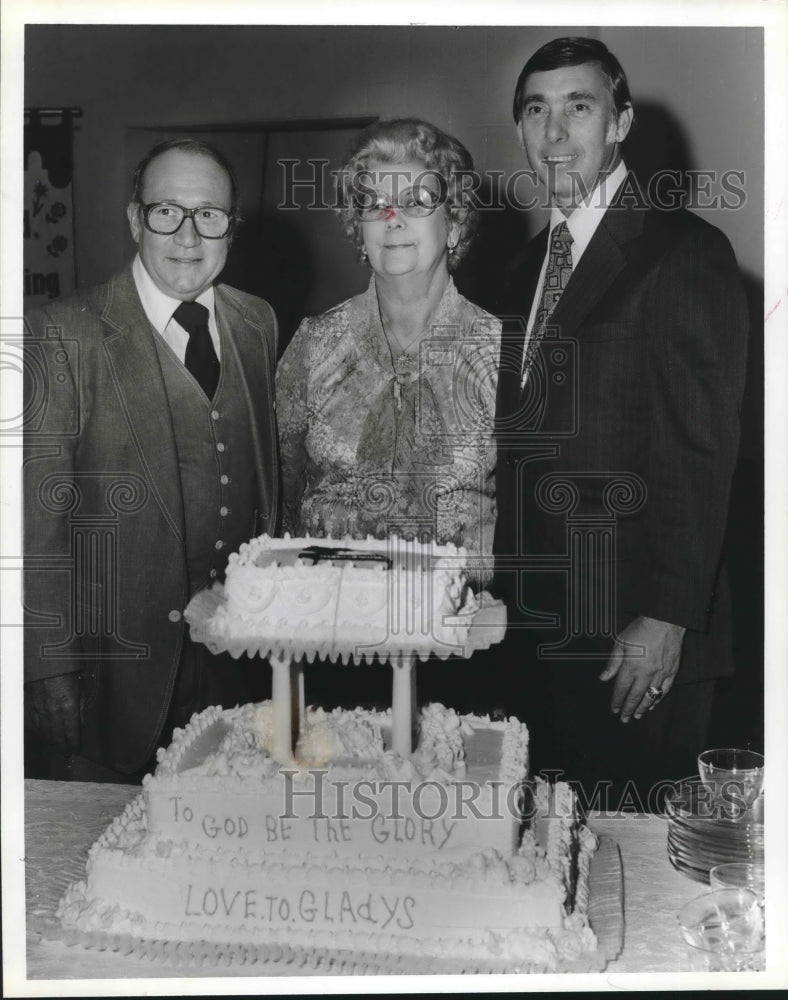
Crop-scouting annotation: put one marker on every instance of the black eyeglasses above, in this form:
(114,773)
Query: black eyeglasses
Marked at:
(165,218)
(415,203)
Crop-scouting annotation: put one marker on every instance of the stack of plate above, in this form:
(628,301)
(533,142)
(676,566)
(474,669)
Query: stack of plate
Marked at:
(701,836)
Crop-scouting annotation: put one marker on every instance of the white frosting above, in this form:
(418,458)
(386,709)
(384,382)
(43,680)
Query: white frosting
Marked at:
(352,848)
(232,795)
(414,600)
(204,855)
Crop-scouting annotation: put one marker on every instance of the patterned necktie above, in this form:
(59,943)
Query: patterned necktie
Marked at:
(556,278)
(201,358)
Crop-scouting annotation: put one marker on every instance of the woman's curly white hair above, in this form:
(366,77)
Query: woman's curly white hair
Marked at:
(403,140)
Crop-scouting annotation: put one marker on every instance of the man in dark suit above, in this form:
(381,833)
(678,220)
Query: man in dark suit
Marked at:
(150,456)
(621,377)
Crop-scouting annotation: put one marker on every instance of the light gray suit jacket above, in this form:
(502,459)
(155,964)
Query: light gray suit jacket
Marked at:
(105,563)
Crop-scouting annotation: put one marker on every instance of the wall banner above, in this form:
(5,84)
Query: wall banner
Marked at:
(49,259)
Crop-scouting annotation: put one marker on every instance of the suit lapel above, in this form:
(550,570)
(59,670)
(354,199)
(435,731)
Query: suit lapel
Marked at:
(604,259)
(248,343)
(524,276)
(521,288)
(134,363)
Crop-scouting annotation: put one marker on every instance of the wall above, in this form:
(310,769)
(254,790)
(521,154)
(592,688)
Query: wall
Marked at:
(703,87)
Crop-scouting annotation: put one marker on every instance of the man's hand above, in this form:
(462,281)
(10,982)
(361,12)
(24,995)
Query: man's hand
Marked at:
(54,707)
(657,665)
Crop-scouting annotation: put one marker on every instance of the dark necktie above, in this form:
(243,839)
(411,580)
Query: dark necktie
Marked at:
(201,358)
(556,278)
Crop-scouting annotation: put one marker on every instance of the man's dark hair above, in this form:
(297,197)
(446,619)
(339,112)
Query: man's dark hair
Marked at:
(187,145)
(574,51)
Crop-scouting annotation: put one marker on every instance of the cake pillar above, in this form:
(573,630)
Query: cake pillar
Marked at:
(403,704)
(298,696)
(282,696)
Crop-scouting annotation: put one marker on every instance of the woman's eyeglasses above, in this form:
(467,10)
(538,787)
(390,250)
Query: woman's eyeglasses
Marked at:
(415,203)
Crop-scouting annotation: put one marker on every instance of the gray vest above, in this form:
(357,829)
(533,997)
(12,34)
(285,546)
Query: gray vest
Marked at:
(216,459)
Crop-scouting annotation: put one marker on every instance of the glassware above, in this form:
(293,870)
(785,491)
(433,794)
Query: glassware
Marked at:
(724,930)
(702,835)
(739,875)
(703,960)
(733,777)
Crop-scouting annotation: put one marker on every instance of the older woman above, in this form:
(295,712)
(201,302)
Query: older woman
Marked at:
(386,402)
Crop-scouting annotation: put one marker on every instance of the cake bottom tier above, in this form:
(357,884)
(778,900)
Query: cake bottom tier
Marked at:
(231,959)
(178,897)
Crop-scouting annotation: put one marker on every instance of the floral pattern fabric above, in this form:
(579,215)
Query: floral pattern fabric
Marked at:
(378,443)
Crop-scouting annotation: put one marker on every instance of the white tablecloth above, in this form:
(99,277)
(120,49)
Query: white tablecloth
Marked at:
(62,819)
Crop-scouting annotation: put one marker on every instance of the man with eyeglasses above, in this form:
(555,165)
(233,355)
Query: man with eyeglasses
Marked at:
(155,457)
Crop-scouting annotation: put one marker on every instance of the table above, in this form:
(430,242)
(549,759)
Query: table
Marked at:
(62,819)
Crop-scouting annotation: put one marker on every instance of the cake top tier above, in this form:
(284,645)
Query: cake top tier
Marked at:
(340,598)
(361,553)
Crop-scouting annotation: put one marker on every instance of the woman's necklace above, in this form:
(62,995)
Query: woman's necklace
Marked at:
(405,361)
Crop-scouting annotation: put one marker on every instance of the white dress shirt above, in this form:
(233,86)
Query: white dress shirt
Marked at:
(582,223)
(160,307)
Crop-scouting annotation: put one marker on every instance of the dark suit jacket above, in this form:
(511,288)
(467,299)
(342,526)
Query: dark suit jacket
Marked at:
(631,416)
(103,503)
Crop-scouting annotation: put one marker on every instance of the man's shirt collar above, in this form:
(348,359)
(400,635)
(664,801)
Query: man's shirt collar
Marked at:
(158,306)
(584,220)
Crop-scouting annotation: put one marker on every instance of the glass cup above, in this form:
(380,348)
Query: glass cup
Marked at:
(740,875)
(733,777)
(701,960)
(724,930)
